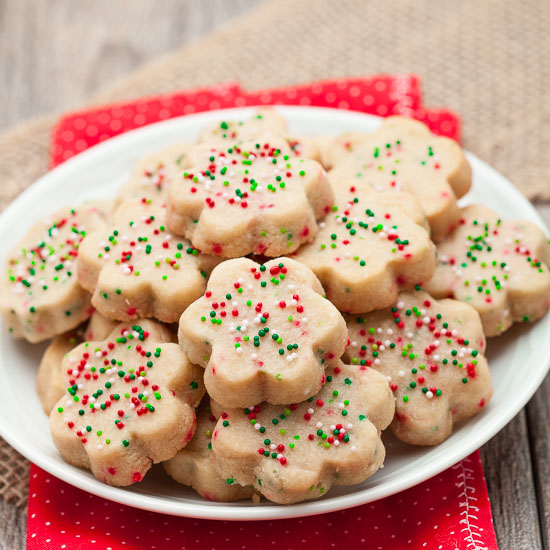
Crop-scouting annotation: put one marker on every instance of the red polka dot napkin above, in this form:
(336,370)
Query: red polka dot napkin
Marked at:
(449,511)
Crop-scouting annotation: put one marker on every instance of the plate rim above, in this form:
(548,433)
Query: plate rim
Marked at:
(227,511)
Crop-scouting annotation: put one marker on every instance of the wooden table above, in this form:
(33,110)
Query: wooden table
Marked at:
(53,55)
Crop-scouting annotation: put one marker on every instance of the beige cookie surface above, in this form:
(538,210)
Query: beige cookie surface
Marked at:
(369,248)
(299,451)
(130,403)
(261,123)
(50,383)
(152,176)
(432,354)
(403,155)
(193,465)
(40,296)
(252,198)
(263,332)
(138,269)
(500,267)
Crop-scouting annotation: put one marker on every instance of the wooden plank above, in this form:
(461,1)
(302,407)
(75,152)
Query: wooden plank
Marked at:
(508,472)
(14,526)
(538,413)
(53,55)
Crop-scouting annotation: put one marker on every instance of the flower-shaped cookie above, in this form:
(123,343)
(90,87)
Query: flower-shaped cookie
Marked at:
(297,452)
(500,267)
(131,402)
(193,465)
(249,198)
(368,248)
(403,155)
(263,333)
(262,123)
(50,382)
(40,296)
(431,352)
(152,175)
(138,269)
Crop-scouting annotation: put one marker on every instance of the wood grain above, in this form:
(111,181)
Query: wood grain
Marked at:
(538,413)
(54,54)
(509,475)
(13,526)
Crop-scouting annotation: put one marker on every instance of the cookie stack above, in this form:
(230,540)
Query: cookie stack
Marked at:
(258,307)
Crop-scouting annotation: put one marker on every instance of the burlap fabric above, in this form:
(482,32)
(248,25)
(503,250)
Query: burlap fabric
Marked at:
(487,60)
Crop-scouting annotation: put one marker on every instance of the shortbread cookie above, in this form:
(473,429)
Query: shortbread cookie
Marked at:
(500,267)
(261,122)
(152,176)
(263,333)
(403,155)
(40,296)
(297,452)
(368,249)
(432,354)
(130,403)
(139,269)
(193,465)
(264,122)
(251,198)
(50,383)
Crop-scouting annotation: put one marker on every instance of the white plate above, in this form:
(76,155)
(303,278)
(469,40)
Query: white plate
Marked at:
(519,360)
